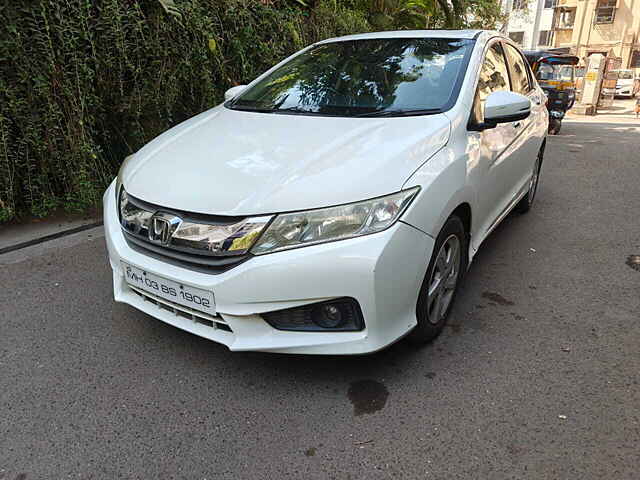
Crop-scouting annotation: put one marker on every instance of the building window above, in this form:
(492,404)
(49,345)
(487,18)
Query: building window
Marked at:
(519,4)
(545,37)
(517,37)
(550,3)
(566,18)
(606,11)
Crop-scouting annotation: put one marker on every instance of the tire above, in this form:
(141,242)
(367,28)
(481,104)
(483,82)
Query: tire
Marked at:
(554,126)
(524,205)
(431,318)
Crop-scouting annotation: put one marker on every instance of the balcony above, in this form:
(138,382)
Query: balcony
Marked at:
(564,18)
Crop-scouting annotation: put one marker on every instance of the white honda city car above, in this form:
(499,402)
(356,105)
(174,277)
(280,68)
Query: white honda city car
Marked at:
(332,205)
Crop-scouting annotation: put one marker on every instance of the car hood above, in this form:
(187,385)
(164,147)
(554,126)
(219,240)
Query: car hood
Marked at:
(229,162)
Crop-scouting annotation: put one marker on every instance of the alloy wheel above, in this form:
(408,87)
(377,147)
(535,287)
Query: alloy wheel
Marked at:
(444,279)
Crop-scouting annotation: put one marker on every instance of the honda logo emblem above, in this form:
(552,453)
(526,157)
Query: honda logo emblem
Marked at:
(162,226)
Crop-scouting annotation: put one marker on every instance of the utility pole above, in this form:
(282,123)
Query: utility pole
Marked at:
(535,36)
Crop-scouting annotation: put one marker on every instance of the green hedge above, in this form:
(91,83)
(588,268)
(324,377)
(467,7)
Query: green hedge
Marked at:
(84,83)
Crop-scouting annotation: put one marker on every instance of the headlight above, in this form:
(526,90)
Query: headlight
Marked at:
(292,230)
(119,177)
(133,218)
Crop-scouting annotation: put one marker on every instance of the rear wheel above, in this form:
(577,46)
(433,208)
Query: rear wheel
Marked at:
(527,201)
(440,285)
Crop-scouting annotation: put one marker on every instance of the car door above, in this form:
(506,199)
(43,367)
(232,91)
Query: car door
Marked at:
(526,138)
(493,173)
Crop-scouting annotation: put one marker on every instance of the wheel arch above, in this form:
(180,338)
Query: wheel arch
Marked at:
(464,212)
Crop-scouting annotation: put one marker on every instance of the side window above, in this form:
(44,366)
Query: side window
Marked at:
(493,77)
(532,77)
(519,75)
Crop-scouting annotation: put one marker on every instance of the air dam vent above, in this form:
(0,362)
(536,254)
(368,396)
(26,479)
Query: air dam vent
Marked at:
(185,312)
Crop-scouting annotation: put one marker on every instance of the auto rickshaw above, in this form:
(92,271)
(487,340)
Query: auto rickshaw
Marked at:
(555,75)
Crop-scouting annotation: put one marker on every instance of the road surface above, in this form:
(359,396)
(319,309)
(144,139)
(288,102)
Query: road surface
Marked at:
(536,376)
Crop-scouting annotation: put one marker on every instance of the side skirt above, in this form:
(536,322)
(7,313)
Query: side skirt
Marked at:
(523,191)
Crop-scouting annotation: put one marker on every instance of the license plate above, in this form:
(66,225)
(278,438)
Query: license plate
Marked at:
(185,295)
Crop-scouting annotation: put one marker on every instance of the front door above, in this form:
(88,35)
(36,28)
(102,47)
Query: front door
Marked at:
(495,145)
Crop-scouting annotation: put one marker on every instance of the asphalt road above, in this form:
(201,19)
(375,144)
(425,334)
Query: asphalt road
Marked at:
(535,377)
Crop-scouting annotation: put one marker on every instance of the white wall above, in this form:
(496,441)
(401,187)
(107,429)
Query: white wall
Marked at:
(531,21)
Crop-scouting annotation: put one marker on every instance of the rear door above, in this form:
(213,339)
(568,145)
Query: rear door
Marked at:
(526,133)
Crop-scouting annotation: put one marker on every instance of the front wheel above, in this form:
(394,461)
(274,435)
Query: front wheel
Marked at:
(440,285)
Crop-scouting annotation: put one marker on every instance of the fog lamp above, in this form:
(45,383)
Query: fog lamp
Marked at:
(341,315)
(327,316)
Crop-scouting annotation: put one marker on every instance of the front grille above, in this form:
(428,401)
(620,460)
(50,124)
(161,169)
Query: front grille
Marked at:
(199,263)
(215,322)
(180,249)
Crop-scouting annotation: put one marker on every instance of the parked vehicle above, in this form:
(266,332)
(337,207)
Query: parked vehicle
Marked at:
(626,83)
(555,74)
(333,205)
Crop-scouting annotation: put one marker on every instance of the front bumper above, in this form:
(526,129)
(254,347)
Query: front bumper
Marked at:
(383,272)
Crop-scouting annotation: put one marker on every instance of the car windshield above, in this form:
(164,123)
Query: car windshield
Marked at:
(394,76)
(547,71)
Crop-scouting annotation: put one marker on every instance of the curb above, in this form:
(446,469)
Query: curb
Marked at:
(52,236)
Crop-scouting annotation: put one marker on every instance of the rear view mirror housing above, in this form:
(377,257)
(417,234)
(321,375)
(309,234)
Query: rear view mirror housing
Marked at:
(233,92)
(504,107)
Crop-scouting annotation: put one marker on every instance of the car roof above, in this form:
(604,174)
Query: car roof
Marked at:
(468,34)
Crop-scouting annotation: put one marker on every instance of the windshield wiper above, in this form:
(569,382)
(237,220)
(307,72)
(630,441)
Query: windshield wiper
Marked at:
(290,110)
(400,112)
(248,108)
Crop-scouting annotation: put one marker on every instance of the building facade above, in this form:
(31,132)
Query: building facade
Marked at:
(610,27)
(529,22)
(580,27)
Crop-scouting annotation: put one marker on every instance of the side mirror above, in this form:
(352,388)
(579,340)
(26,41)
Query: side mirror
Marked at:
(504,107)
(233,92)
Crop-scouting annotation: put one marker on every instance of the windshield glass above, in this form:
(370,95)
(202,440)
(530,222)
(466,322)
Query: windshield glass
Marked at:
(548,71)
(360,77)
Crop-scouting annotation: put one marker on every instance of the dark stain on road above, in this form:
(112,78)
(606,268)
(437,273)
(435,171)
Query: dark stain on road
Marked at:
(455,327)
(430,375)
(497,298)
(367,396)
(634,262)
(310,452)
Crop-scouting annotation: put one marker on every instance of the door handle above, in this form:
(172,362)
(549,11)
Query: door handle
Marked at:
(517,125)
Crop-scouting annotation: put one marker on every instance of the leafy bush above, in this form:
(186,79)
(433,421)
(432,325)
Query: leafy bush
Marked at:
(84,83)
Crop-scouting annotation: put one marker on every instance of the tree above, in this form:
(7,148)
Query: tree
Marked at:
(448,14)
